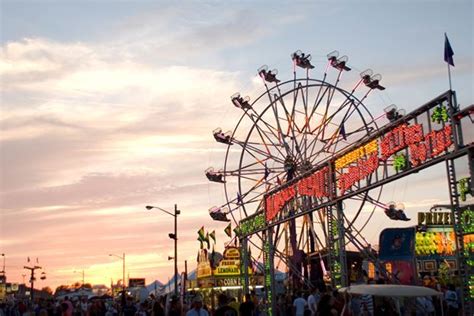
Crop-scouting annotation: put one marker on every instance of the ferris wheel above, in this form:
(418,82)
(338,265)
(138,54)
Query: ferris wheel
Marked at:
(290,128)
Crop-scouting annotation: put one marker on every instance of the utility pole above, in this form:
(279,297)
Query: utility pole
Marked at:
(176,212)
(173,236)
(32,280)
(3,270)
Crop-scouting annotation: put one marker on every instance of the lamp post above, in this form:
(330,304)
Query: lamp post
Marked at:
(82,286)
(32,279)
(3,269)
(123,274)
(175,238)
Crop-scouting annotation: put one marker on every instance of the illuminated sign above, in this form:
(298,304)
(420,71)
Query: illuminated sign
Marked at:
(358,172)
(251,224)
(231,253)
(418,140)
(358,164)
(438,218)
(203,270)
(227,270)
(421,148)
(228,282)
(315,185)
(268,275)
(204,265)
(356,154)
(230,263)
(136,282)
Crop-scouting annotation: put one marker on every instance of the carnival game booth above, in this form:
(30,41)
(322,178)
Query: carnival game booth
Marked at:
(436,239)
(221,274)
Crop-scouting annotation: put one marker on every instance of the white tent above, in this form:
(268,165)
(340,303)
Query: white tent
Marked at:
(390,290)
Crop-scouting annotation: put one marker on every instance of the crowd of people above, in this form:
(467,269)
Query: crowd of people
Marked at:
(326,302)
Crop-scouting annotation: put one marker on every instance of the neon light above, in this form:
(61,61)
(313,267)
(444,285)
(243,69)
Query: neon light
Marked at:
(399,162)
(440,114)
(252,224)
(356,154)
(358,172)
(392,142)
(463,188)
(435,144)
(314,185)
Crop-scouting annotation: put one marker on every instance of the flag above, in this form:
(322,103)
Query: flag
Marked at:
(37,260)
(278,180)
(206,239)
(239,199)
(228,230)
(448,51)
(201,233)
(28,259)
(267,172)
(200,241)
(342,131)
(213,236)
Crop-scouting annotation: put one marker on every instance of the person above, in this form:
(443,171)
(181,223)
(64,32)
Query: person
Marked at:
(129,309)
(157,309)
(313,301)
(451,299)
(197,309)
(175,308)
(247,308)
(84,306)
(67,311)
(325,306)
(224,309)
(367,302)
(299,305)
(234,304)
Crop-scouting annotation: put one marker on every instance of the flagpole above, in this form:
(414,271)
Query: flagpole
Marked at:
(449,76)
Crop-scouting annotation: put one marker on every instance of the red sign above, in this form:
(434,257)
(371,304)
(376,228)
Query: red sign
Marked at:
(420,148)
(315,185)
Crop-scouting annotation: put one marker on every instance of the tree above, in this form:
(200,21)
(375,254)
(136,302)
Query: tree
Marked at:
(62,288)
(48,290)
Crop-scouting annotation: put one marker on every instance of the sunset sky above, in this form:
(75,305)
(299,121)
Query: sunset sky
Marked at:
(109,106)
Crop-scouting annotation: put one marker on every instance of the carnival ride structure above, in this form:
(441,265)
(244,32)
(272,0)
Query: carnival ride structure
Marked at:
(307,156)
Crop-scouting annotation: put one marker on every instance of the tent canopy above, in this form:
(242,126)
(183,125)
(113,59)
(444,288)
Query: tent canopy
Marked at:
(390,290)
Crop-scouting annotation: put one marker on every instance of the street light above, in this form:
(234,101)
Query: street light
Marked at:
(82,286)
(175,238)
(3,270)
(123,276)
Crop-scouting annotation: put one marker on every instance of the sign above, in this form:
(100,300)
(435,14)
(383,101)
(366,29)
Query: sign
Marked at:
(136,282)
(231,253)
(379,158)
(227,270)
(228,282)
(203,270)
(437,218)
(420,149)
(251,224)
(397,244)
(230,263)
(356,154)
(315,185)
